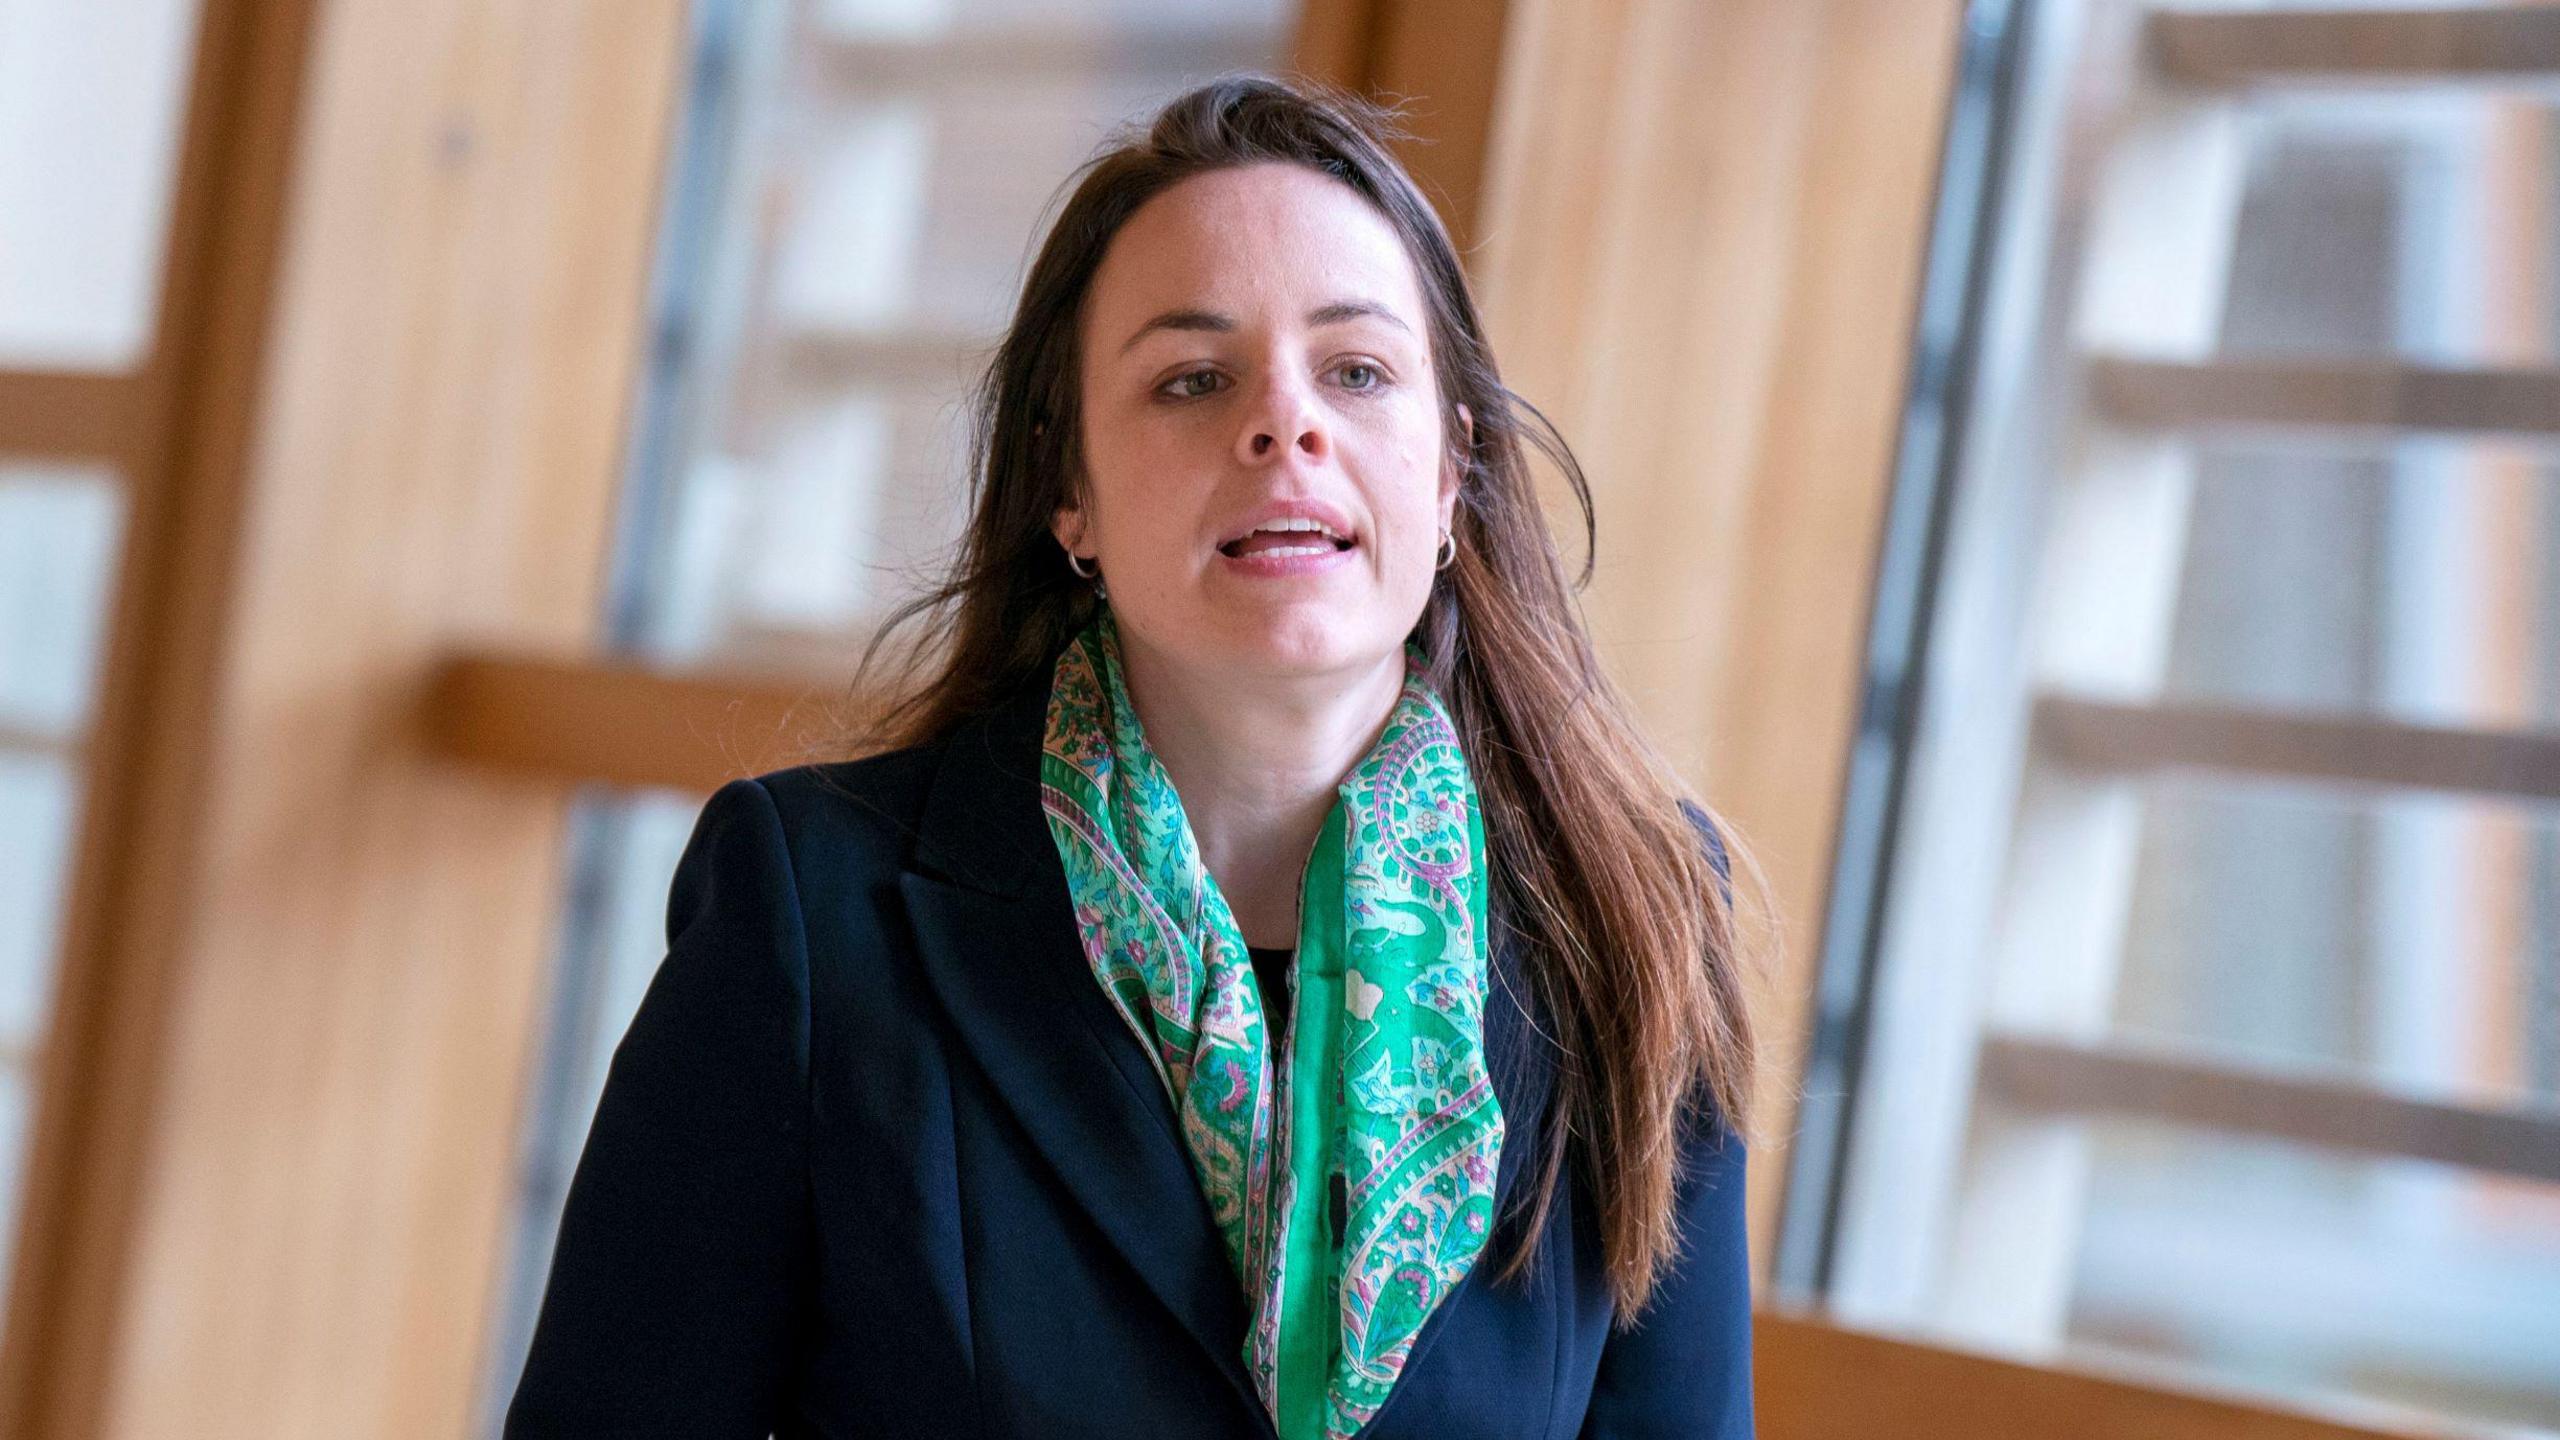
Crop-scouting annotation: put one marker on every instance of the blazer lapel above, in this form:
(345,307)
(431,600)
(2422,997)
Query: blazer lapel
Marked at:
(996,932)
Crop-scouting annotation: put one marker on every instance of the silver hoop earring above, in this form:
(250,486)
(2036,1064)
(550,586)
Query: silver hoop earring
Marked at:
(1448,550)
(1076,563)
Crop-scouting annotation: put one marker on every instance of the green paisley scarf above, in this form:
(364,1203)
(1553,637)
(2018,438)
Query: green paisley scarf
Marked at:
(1353,1203)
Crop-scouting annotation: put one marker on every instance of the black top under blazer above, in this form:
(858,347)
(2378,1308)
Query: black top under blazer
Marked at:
(877,1157)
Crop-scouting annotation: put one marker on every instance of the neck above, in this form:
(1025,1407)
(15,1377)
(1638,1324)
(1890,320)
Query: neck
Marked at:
(1257,766)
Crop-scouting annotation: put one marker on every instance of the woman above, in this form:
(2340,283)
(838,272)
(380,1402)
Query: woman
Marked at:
(981,1092)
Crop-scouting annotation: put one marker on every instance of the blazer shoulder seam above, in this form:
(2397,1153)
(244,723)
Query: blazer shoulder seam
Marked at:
(804,1021)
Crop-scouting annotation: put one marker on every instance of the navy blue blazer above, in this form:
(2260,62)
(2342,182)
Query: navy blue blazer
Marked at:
(877,1157)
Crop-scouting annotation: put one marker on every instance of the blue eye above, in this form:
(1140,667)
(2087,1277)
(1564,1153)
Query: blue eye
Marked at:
(1376,380)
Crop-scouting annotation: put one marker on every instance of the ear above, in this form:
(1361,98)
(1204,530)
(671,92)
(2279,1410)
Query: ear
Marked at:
(1067,523)
(1454,473)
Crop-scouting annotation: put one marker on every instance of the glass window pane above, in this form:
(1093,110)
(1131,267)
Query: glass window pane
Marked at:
(92,100)
(17,1106)
(39,806)
(2403,938)
(1106,20)
(2399,579)
(2256,470)
(2293,1269)
(867,235)
(39,812)
(917,211)
(827,521)
(60,530)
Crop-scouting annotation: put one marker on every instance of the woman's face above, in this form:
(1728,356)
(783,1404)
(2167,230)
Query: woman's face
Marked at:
(1254,343)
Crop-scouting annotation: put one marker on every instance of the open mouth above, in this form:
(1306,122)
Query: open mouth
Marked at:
(1286,537)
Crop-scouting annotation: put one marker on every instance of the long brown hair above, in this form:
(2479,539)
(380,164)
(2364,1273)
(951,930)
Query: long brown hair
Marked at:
(1629,931)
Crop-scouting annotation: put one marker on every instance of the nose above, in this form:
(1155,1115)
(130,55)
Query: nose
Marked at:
(1284,416)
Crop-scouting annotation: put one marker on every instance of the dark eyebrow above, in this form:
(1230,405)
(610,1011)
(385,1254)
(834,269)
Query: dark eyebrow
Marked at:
(1333,313)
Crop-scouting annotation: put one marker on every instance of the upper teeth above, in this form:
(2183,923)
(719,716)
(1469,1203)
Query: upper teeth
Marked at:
(1301,523)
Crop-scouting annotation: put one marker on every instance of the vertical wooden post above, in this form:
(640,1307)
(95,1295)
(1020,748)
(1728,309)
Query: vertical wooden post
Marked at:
(1445,57)
(1704,229)
(178,431)
(324,960)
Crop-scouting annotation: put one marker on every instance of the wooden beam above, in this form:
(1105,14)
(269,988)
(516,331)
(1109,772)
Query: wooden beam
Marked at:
(2338,1111)
(2349,748)
(85,417)
(2209,47)
(25,739)
(1704,238)
(2344,394)
(103,1066)
(333,961)
(1015,52)
(1337,40)
(1819,1381)
(1446,58)
(570,721)
(1443,61)
(944,360)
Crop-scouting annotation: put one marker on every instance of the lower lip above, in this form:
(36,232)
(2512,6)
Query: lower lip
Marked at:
(1273,567)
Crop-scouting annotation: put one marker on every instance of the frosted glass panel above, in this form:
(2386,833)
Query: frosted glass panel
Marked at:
(39,808)
(92,100)
(924,19)
(835,514)
(59,533)
(919,210)
(2399,937)
(16,1103)
(2164,832)
(2285,1267)
(849,252)
(2407,579)
(894,174)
